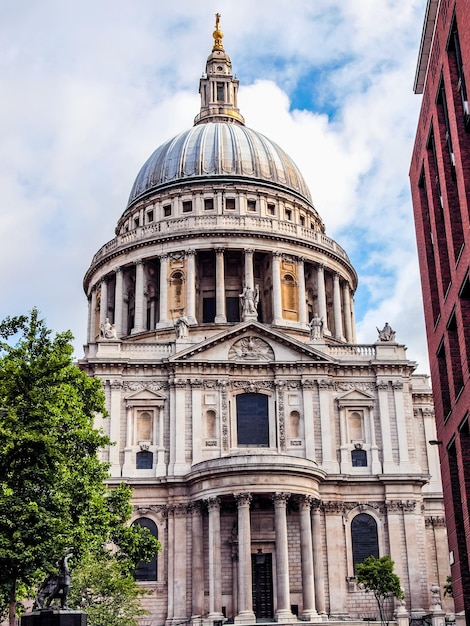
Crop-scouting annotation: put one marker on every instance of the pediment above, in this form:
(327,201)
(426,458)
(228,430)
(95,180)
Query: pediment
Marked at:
(145,395)
(355,397)
(251,342)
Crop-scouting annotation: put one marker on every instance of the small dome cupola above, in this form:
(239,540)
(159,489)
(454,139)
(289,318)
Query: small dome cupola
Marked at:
(218,88)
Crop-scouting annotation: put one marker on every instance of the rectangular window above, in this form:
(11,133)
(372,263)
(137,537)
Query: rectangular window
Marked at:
(252,420)
(208,204)
(454,48)
(136,221)
(455,356)
(167,210)
(464,297)
(444,380)
(271,209)
(149,217)
(220,92)
(251,205)
(288,215)
(230,204)
(302,220)
(187,206)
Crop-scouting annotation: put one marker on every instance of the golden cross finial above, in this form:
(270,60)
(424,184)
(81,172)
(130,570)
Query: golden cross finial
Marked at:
(217,34)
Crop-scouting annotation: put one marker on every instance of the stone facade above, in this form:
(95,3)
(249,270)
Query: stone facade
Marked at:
(266,448)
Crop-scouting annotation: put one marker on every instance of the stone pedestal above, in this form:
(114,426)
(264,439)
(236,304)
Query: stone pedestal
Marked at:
(50,617)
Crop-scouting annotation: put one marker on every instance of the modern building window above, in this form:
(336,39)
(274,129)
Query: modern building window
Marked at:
(144,459)
(208,204)
(187,206)
(429,245)
(444,379)
(167,210)
(441,249)
(147,571)
(252,419)
(456,52)
(464,298)
(364,536)
(455,355)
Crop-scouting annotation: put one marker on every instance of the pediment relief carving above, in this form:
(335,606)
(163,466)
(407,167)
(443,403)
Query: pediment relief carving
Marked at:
(251,348)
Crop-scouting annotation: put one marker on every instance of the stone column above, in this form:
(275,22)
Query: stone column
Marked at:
(191,287)
(177,569)
(277,296)
(245,594)
(197,565)
(163,321)
(337,308)
(322,298)
(347,313)
(115,427)
(249,270)
(387,454)
(139,298)
(306,555)
(118,302)
(283,612)
(353,320)
(215,568)
(302,296)
(92,313)
(220,315)
(318,559)
(103,302)
(335,542)
(405,465)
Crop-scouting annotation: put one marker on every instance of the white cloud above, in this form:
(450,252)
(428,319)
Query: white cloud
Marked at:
(93,88)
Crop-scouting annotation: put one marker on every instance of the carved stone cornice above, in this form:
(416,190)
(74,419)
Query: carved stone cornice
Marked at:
(333,507)
(178,510)
(397,384)
(382,385)
(435,522)
(407,506)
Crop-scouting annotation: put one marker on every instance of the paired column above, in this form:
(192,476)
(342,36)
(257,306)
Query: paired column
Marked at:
(191,287)
(92,315)
(321,292)
(277,296)
(249,271)
(245,593)
(118,302)
(139,298)
(283,612)
(163,318)
(220,314)
(103,302)
(306,555)
(215,567)
(337,308)
(347,313)
(302,296)
(197,567)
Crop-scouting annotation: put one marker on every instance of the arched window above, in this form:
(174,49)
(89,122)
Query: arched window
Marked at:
(364,537)
(147,571)
(252,419)
(144,426)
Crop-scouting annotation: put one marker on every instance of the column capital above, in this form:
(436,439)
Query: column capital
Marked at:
(276,254)
(243,499)
(190,252)
(213,504)
(219,250)
(139,262)
(280,497)
(306,502)
(248,251)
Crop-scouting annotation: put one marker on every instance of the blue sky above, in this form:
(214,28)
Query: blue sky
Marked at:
(91,87)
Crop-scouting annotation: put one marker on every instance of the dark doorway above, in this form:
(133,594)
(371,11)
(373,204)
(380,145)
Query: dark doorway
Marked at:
(262,579)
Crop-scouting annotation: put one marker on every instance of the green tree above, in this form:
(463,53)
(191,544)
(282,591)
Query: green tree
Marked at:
(377,575)
(109,595)
(52,490)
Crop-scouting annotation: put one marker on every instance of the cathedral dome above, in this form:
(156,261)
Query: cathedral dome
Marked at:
(219,149)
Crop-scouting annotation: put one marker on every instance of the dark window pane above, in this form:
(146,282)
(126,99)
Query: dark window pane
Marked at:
(364,538)
(147,571)
(359,458)
(144,460)
(252,419)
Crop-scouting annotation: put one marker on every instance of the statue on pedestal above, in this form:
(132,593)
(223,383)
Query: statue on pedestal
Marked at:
(249,299)
(55,585)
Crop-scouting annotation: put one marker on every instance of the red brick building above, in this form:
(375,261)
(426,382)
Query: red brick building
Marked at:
(440,183)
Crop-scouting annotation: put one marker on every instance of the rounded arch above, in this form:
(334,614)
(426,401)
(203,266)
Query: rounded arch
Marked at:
(147,571)
(364,538)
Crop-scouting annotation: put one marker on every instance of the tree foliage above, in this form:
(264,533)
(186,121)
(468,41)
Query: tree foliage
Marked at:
(377,576)
(109,596)
(52,490)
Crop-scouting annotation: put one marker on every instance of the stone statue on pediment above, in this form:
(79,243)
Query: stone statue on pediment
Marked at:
(387,334)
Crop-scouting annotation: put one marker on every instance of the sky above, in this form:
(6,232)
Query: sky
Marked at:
(90,88)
